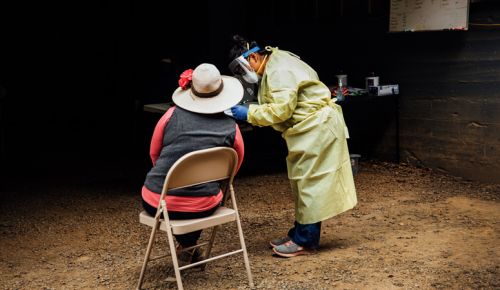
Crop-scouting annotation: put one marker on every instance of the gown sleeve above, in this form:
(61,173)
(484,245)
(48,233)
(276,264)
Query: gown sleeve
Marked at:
(280,100)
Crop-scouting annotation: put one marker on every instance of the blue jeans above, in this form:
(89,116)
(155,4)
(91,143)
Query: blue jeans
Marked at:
(306,235)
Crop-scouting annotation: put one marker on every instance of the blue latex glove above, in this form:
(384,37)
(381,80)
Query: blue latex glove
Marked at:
(240,112)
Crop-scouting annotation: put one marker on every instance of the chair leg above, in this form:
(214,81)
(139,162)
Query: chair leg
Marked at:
(174,259)
(245,254)
(242,240)
(209,247)
(148,253)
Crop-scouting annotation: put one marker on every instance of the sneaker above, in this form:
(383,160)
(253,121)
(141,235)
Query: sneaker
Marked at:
(197,256)
(279,241)
(289,249)
(190,256)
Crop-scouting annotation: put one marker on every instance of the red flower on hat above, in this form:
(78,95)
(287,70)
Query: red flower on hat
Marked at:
(186,78)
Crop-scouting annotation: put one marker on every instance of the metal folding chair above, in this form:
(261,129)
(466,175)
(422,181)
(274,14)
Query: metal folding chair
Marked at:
(198,167)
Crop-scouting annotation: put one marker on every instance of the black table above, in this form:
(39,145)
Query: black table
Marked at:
(373,123)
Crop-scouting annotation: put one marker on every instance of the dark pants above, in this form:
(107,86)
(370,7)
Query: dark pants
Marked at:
(189,239)
(306,235)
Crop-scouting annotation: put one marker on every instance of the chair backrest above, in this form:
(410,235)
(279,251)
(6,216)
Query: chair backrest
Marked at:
(197,167)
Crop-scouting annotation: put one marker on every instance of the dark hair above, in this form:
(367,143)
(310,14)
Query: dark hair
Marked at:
(240,45)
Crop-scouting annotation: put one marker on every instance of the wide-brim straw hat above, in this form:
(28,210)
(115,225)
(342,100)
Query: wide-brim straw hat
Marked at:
(210,92)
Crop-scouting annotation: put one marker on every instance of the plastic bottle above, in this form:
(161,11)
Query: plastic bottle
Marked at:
(342,81)
(338,92)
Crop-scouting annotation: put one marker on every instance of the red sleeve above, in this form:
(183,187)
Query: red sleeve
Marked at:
(157,139)
(239,146)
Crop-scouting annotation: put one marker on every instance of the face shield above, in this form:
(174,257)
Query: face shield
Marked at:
(241,67)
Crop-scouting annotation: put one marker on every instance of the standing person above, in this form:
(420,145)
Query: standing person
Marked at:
(196,122)
(295,102)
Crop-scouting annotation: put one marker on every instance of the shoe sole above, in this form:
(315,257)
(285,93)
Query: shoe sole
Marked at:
(291,255)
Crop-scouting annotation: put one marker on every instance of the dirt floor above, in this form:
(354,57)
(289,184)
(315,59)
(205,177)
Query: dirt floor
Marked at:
(412,229)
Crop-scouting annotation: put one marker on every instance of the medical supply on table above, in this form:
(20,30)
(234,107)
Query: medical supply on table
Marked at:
(371,81)
(385,90)
(342,90)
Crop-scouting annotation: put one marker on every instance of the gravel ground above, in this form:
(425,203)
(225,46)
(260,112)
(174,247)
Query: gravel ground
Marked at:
(412,229)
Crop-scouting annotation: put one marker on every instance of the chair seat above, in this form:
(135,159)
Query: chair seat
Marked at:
(220,216)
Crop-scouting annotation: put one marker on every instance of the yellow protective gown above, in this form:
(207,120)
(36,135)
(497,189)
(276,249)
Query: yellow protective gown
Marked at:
(293,101)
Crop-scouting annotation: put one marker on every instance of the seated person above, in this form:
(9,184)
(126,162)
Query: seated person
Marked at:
(195,122)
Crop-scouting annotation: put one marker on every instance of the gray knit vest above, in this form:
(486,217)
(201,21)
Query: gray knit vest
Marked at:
(187,132)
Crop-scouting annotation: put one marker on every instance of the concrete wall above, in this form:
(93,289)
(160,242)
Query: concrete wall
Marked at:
(450,104)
